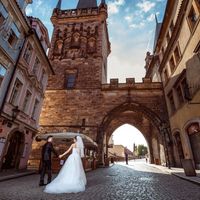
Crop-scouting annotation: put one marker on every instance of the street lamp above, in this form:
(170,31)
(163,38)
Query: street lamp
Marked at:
(15,112)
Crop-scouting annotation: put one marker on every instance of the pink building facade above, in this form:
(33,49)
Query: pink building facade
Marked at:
(19,119)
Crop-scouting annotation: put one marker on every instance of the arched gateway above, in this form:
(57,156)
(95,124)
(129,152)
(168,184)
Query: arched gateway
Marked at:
(78,97)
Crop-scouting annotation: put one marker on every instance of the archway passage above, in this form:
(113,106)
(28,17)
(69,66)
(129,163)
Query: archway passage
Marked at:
(14,151)
(144,120)
(128,139)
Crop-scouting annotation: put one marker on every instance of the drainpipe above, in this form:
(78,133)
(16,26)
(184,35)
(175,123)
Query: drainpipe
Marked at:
(30,32)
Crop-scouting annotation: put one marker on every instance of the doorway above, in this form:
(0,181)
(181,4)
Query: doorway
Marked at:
(14,151)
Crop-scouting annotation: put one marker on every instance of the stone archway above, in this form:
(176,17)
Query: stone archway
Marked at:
(144,120)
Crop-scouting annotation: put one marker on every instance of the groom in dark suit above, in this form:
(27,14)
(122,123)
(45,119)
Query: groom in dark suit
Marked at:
(47,149)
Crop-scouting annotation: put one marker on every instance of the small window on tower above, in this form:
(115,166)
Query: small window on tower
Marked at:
(70,81)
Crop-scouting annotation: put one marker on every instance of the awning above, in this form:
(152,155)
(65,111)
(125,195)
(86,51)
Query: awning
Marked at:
(68,135)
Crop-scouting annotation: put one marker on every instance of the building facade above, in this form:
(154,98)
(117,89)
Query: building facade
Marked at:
(177,53)
(78,97)
(24,91)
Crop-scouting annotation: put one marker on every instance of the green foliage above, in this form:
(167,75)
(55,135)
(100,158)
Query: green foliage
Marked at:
(142,150)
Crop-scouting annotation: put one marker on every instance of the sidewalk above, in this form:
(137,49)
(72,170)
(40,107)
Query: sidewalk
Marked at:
(11,174)
(179,172)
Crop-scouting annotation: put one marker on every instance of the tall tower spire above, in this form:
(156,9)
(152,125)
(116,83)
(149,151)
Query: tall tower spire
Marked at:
(58,6)
(86,4)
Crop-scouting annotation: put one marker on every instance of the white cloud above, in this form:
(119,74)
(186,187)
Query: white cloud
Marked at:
(29,10)
(114,6)
(138,25)
(128,18)
(38,3)
(151,17)
(146,5)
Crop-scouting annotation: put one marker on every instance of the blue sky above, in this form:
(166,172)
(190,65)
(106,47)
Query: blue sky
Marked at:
(131,26)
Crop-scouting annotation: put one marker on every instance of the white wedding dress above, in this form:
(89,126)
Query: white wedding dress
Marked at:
(71,178)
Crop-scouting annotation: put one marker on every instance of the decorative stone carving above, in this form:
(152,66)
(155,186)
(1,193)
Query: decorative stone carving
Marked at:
(91,45)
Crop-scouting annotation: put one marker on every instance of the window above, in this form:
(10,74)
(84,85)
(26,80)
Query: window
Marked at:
(3,14)
(35,109)
(186,89)
(192,18)
(177,54)
(26,101)
(180,95)
(42,76)
(168,38)
(171,27)
(14,35)
(27,53)
(70,82)
(166,76)
(36,66)
(171,101)
(12,38)
(2,19)
(172,64)
(2,73)
(16,92)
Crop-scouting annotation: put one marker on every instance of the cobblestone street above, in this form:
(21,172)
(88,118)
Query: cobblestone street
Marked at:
(137,181)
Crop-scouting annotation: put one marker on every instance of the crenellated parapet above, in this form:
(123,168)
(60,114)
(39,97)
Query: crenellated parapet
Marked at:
(131,84)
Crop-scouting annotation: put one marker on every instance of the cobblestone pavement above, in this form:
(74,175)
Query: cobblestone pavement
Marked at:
(137,181)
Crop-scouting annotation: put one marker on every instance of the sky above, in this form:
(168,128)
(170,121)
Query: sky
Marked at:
(131,25)
(127,135)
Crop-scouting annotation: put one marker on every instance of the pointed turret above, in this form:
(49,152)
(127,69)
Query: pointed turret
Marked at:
(58,6)
(86,4)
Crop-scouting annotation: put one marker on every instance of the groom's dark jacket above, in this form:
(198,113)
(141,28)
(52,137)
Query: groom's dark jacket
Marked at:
(47,149)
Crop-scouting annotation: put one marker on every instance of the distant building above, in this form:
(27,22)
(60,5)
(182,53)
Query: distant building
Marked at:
(24,78)
(177,59)
(118,152)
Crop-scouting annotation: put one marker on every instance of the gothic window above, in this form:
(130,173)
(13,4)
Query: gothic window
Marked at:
(3,14)
(70,81)
(28,53)
(171,102)
(36,66)
(26,101)
(192,18)
(16,92)
(2,73)
(172,64)
(35,109)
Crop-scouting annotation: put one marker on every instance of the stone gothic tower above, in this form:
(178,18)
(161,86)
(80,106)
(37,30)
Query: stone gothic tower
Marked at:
(80,46)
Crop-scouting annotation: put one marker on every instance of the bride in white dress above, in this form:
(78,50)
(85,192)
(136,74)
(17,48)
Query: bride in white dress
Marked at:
(71,178)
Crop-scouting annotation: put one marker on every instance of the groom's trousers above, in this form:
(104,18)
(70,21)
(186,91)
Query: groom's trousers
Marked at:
(46,167)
